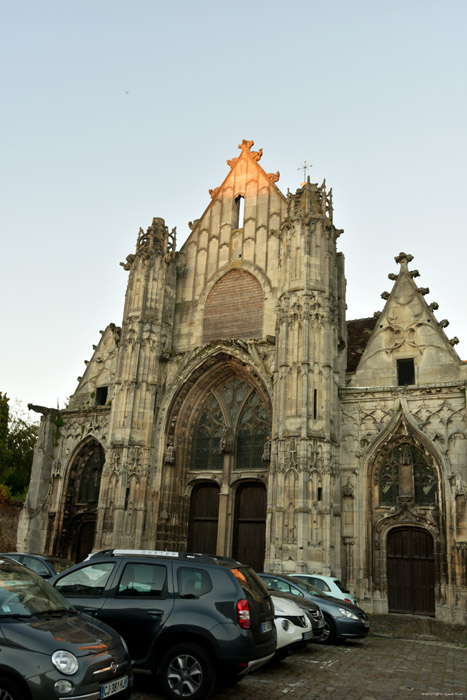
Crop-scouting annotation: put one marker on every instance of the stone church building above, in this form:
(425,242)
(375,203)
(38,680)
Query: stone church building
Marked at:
(236,410)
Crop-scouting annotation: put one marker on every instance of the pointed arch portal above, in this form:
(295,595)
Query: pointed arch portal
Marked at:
(81,498)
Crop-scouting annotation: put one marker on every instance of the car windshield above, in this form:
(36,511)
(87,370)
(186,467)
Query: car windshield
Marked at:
(24,593)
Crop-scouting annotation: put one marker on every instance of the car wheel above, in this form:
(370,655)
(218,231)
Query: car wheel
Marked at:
(329,632)
(9,690)
(186,671)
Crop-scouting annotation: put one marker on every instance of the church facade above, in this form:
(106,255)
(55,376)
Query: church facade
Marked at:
(236,410)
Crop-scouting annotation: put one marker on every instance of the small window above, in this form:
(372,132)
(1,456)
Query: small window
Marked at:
(238,212)
(405,372)
(193,583)
(101,395)
(319,583)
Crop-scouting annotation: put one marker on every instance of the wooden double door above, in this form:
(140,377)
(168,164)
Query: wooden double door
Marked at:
(249,524)
(411,571)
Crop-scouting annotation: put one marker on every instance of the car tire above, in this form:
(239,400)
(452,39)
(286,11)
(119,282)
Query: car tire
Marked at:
(329,632)
(9,690)
(187,671)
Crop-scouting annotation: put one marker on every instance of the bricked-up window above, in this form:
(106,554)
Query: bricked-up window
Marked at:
(405,372)
(234,308)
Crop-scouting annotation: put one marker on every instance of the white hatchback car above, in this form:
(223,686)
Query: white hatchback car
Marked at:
(329,585)
(293,626)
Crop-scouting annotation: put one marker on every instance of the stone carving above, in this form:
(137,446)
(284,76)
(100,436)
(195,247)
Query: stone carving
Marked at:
(214,192)
(170,454)
(226,441)
(41,409)
(348,489)
(266,456)
(273,177)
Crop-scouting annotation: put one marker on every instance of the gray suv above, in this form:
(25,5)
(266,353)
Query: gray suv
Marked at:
(192,619)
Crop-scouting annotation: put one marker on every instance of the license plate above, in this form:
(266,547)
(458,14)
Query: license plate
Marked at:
(112,687)
(307,635)
(266,626)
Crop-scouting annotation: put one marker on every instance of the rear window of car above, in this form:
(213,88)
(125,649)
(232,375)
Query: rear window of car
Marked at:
(250,582)
(340,586)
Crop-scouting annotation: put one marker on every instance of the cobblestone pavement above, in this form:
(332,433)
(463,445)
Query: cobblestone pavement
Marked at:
(402,658)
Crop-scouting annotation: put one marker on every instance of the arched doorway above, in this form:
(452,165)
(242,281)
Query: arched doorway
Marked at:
(411,571)
(219,425)
(249,534)
(202,523)
(81,499)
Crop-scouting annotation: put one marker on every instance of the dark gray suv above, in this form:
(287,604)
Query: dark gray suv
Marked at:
(192,619)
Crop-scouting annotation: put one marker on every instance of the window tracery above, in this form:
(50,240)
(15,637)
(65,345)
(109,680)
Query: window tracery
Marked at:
(234,409)
(407,472)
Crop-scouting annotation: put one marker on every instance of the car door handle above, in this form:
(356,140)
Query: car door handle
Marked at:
(90,611)
(156,613)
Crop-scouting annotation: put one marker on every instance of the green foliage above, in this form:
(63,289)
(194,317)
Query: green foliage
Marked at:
(18,436)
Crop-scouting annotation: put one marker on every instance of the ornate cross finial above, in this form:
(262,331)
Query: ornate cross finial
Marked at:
(305,167)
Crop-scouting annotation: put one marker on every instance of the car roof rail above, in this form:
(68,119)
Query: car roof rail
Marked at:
(187,556)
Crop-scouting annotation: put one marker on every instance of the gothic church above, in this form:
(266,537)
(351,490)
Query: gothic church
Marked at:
(236,410)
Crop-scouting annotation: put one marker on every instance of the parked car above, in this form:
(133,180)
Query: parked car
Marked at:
(49,650)
(190,618)
(311,610)
(328,584)
(343,620)
(45,565)
(293,626)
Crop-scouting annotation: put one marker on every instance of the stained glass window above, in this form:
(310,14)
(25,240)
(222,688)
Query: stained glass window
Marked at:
(252,432)
(206,442)
(424,478)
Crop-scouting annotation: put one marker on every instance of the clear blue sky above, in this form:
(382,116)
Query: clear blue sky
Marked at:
(114,112)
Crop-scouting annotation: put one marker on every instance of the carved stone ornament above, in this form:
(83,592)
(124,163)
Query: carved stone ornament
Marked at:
(266,456)
(170,454)
(226,441)
(348,489)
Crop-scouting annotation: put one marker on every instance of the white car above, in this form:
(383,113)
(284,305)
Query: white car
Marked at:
(329,585)
(293,626)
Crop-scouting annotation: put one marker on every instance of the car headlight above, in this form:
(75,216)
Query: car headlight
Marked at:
(347,613)
(285,624)
(65,662)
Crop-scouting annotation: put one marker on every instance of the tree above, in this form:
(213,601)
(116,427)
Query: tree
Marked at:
(18,436)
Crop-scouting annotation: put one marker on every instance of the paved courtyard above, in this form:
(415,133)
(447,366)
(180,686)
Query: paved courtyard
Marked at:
(385,666)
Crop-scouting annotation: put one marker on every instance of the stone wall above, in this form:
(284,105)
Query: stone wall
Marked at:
(9,516)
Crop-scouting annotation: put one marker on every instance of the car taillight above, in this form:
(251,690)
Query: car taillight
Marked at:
(243,612)
(347,600)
